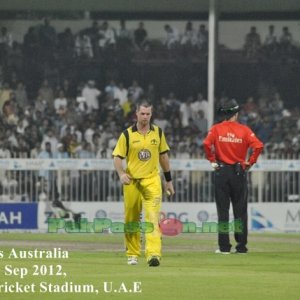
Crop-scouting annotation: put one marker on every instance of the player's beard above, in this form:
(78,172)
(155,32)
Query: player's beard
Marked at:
(144,123)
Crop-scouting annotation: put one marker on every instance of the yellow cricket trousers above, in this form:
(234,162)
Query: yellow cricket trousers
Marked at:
(147,194)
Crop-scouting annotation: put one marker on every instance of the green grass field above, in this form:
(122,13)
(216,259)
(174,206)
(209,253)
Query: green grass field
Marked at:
(189,268)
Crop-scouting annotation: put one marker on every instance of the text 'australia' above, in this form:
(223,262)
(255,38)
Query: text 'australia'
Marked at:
(38,254)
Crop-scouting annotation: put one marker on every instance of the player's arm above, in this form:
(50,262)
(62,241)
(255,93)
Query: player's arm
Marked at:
(257,147)
(210,154)
(165,165)
(119,154)
(124,177)
(208,144)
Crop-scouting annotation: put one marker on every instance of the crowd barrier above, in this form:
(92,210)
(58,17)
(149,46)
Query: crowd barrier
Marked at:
(94,180)
(92,187)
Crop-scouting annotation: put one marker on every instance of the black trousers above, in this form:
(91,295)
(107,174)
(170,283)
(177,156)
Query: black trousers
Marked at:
(231,187)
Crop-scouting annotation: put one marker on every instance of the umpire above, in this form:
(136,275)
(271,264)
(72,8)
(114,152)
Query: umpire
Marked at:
(226,147)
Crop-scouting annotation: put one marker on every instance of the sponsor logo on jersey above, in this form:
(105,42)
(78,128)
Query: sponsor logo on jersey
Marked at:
(230,138)
(154,142)
(144,155)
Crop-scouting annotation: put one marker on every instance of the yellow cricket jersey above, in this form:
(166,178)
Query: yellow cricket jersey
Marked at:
(141,151)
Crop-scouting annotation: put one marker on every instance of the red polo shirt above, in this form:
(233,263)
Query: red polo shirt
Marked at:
(229,142)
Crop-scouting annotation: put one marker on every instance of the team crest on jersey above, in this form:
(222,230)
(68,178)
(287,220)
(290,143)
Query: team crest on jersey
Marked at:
(154,142)
(144,155)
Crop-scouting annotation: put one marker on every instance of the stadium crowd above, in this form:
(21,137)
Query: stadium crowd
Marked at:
(82,119)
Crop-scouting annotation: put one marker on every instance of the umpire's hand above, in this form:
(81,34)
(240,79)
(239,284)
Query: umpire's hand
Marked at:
(247,165)
(215,165)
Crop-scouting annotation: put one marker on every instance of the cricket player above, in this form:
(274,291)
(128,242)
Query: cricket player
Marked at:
(145,148)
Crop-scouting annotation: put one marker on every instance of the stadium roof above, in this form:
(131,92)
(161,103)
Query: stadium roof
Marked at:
(228,8)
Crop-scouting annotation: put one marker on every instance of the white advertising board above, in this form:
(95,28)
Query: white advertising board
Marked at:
(275,217)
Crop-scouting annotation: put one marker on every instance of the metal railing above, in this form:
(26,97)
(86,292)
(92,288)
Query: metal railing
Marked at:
(33,180)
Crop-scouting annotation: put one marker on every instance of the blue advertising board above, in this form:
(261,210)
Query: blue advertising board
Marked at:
(18,215)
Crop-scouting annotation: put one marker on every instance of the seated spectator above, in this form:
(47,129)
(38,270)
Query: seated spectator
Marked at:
(40,105)
(96,142)
(186,111)
(9,113)
(22,124)
(199,104)
(250,105)
(189,37)
(68,88)
(276,104)
(35,151)
(104,151)
(86,151)
(121,93)
(112,89)
(172,103)
(21,95)
(46,92)
(200,122)
(49,138)
(90,93)
(11,136)
(203,104)
(116,110)
(161,121)
(107,37)
(264,131)
(90,130)
(128,106)
(61,103)
(112,141)
(135,90)
(73,146)
(60,151)
(83,46)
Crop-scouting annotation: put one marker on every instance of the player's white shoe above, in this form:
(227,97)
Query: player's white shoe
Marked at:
(218,251)
(132,260)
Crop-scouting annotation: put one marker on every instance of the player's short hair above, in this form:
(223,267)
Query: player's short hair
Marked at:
(143,102)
